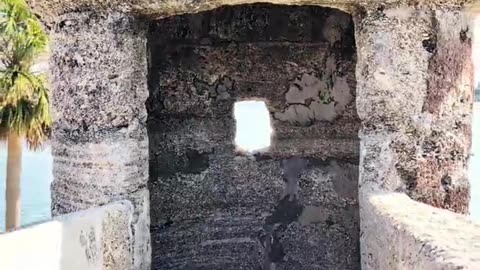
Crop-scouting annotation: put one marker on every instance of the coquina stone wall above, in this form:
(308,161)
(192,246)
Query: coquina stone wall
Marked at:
(229,211)
(406,86)
(414,98)
(100,147)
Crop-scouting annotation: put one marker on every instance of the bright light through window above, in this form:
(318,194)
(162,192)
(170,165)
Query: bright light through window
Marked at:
(253,126)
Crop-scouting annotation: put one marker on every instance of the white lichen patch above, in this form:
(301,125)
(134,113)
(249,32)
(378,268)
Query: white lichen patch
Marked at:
(310,99)
(402,13)
(300,114)
(307,87)
(322,111)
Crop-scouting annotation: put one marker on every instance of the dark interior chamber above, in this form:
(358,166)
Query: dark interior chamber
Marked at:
(292,207)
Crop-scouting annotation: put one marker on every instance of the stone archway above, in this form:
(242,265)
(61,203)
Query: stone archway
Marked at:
(413,98)
(217,209)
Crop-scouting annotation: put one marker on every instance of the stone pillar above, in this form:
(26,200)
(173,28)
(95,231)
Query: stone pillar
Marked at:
(100,144)
(414,98)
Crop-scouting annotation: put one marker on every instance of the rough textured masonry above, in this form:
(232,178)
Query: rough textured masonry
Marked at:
(99,76)
(234,212)
(94,239)
(416,235)
(373,97)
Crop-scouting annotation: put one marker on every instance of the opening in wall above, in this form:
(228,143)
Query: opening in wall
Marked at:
(253,129)
(293,207)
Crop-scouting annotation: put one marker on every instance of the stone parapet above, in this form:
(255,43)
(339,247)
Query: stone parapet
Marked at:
(94,239)
(400,233)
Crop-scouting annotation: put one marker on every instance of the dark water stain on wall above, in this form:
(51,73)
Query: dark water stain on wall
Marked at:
(291,209)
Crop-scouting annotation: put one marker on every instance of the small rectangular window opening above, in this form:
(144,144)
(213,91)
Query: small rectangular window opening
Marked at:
(253,129)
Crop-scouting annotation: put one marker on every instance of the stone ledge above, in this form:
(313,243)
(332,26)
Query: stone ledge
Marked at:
(399,233)
(49,9)
(94,239)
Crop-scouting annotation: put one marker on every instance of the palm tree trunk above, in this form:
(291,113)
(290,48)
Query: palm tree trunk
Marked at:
(14,169)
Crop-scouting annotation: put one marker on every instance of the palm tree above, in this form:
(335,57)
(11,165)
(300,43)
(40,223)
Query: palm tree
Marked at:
(24,100)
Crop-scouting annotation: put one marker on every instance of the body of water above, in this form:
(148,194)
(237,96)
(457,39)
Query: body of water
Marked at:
(36,179)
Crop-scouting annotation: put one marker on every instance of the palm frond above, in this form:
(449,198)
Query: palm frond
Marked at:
(24,97)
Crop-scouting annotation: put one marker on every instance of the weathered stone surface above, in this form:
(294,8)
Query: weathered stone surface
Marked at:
(117,237)
(100,145)
(266,57)
(228,211)
(411,89)
(415,134)
(164,8)
(416,235)
(415,111)
(223,224)
(96,239)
